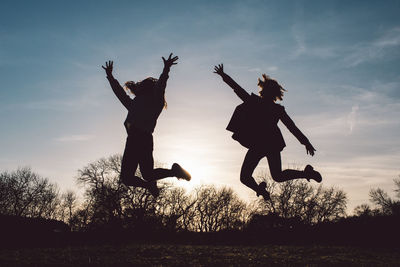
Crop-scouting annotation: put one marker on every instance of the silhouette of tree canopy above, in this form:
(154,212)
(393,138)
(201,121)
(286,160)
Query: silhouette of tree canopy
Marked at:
(107,202)
(385,204)
(25,193)
(103,193)
(299,199)
(364,210)
(218,209)
(397,184)
(68,206)
(177,209)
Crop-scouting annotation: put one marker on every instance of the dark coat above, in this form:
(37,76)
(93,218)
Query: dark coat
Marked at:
(254,123)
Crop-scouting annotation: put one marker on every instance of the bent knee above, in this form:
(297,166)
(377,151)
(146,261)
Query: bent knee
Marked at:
(123,177)
(277,177)
(244,179)
(148,175)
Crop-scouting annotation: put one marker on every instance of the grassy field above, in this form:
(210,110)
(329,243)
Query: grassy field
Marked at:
(200,255)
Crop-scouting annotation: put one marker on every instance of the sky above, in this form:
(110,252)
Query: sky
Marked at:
(338,60)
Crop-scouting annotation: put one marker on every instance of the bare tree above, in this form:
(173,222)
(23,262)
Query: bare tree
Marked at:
(385,204)
(176,209)
(107,200)
(397,189)
(25,193)
(103,192)
(68,206)
(299,199)
(364,210)
(217,209)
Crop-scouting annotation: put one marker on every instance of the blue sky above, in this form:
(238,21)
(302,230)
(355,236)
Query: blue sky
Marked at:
(339,62)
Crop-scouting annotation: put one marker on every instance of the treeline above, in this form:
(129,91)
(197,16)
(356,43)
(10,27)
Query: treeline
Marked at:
(298,211)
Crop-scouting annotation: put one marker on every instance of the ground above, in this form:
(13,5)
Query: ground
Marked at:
(200,255)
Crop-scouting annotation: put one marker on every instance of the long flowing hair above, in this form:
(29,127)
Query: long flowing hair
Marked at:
(145,84)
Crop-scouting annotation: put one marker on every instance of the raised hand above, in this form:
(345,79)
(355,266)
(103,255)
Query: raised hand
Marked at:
(108,68)
(310,149)
(219,69)
(170,61)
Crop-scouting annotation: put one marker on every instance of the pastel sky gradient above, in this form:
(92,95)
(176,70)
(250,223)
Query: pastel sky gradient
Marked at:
(338,60)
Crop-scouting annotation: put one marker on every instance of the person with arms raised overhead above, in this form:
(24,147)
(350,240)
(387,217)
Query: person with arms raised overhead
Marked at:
(143,112)
(254,124)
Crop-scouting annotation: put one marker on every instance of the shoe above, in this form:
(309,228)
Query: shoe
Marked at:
(153,189)
(180,173)
(263,192)
(122,181)
(312,174)
(125,181)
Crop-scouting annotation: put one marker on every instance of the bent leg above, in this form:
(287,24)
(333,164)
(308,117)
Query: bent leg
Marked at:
(275,167)
(146,163)
(130,161)
(250,162)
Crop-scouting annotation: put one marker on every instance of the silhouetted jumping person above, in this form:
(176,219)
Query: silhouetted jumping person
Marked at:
(143,112)
(254,125)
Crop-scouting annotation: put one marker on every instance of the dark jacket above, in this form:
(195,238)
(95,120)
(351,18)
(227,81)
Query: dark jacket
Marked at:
(143,110)
(254,123)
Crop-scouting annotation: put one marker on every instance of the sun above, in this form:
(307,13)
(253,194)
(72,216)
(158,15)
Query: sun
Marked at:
(197,168)
(192,155)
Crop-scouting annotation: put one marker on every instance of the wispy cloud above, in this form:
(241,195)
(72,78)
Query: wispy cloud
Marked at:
(56,104)
(378,48)
(299,39)
(74,138)
(259,70)
(390,38)
(351,119)
(254,70)
(272,68)
(84,93)
(310,48)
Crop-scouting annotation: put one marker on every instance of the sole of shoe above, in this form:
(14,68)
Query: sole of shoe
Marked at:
(262,192)
(180,172)
(312,174)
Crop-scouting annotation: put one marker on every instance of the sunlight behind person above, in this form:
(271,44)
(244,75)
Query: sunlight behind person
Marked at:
(198,169)
(194,155)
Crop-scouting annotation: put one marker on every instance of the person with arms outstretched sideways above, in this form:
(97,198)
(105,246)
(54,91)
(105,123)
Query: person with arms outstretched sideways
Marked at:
(254,125)
(143,112)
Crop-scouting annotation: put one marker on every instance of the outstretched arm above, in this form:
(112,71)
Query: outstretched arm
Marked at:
(162,81)
(241,93)
(297,133)
(117,88)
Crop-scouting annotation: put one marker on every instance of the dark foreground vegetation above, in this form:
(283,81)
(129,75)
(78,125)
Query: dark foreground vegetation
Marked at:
(113,224)
(377,232)
(200,255)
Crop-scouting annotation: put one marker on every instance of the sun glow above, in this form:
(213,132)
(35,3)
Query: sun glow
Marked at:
(199,150)
(193,157)
(198,169)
